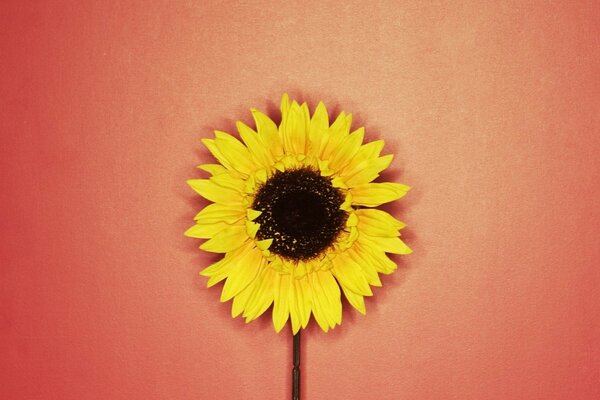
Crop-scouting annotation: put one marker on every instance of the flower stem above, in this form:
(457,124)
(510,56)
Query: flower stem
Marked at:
(296,369)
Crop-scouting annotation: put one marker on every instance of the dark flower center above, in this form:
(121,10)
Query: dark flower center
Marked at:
(300,212)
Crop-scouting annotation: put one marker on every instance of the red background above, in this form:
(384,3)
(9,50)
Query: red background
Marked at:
(493,111)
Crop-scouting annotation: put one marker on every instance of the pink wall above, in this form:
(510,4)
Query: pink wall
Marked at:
(493,112)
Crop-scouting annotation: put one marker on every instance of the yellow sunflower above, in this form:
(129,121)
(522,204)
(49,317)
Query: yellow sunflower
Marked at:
(293,215)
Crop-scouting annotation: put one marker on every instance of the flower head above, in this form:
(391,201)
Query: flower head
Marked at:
(293,213)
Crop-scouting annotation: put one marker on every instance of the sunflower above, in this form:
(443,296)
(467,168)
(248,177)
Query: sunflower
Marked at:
(293,213)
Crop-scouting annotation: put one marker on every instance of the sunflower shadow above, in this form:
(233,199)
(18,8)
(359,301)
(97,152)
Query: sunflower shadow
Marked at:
(351,317)
(198,260)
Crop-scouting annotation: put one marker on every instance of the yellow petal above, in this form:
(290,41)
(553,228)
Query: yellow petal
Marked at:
(338,182)
(327,306)
(375,194)
(356,300)
(336,134)
(241,300)
(263,295)
(293,129)
(375,222)
(226,240)
(368,269)
(215,193)
(285,104)
(252,214)
(268,133)
(304,296)
(250,185)
(260,153)
(252,228)
(331,290)
(319,313)
(281,310)
(242,272)
(380,217)
(342,156)
(394,246)
(350,275)
(260,176)
(264,244)
(295,308)
(365,154)
(347,204)
(299,269)
(217,271)
(324,168)
(230,152)
(220,213)
(206,231)
(214,150)
(388,244)
(352,219)
(370,171)
(376,257)
(319,125)
(229,181)
(237,154)
(320,317)
(213,169)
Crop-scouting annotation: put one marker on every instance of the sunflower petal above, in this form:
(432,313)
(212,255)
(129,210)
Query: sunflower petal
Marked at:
(377,258)
(294,306)
(206,231)
(317,132)
(375,194)
(320,314)
(341,156)
(380,218)
(264,244)
(336,134)
(350,275)
(229,181)
(231,152)
(304,296)
(293,129)
(331,291)
(367,267)
(285,104)
(268,133)
(214,150)
(327,306)
(366,153)
(226,240)
(252,228)
(213,169)
(370,171)
(387,244)
(220,213)
(281,308)
(356,300)
(243,271)
(260,153)
(215,193)
(238,305)
(263,295)
(393,245)
(375,222)
(254,276)
(217,271)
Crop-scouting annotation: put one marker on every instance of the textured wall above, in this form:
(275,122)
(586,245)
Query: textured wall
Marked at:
(493,111)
